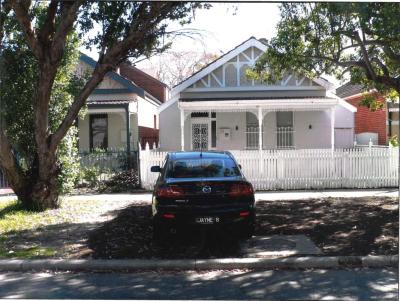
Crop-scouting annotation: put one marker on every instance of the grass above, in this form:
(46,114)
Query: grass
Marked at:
(15,220)
(28,253)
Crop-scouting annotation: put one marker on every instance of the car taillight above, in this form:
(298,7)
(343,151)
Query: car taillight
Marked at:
(172,191)
(241,189)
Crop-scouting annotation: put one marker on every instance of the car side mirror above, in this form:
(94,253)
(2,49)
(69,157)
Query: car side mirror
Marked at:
(240,166)
(155,168)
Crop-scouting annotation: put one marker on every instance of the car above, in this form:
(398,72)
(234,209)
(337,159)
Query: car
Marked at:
(202,189)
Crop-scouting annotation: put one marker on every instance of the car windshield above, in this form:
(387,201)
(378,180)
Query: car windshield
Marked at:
(202,168)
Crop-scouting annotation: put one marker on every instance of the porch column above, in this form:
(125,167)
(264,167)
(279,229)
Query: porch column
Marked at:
(128,136)
(260,124)
(182,130)
(260,142)
(332,129)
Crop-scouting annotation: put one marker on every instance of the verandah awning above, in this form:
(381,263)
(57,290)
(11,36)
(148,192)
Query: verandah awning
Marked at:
(278,104)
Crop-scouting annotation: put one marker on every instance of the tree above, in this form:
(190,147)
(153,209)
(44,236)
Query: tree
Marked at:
(18,85)
(172,67)
(123,29)
(359,39)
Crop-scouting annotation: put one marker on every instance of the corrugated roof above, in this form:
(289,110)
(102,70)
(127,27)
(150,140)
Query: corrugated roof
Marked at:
(254,98)
(349,89)
(108,102)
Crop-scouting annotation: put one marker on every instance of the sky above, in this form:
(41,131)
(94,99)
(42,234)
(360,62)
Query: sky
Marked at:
(223,27)
(226,25)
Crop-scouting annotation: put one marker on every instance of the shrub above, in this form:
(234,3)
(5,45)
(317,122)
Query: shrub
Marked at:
(91,175)
(124,181)
(394,140)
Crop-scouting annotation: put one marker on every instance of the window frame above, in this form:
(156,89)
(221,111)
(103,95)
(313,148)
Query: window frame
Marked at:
(91,118)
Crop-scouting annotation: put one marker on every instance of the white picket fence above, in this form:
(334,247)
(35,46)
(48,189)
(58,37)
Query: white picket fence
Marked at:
(303,169)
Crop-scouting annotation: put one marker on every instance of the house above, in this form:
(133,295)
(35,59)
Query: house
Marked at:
(376,126)
(122,110)
(219,108)
(393,124)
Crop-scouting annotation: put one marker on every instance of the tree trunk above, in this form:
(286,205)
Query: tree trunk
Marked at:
(39,194)
(39,191)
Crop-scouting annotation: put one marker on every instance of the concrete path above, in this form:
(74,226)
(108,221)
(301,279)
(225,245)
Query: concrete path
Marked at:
(265,196)
(361,284)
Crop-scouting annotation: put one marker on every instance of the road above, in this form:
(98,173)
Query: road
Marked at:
(358,284)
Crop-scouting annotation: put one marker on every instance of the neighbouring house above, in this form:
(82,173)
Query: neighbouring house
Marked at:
(219,108)
(122,110)
(376,126)
(393,124)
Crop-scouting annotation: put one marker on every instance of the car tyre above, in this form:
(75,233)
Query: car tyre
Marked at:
(247,231)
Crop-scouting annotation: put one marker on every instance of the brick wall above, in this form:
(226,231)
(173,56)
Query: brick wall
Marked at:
(367,121)
(145,81)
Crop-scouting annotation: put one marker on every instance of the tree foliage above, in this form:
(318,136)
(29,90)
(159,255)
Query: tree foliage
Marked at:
(359,39)
(37,36)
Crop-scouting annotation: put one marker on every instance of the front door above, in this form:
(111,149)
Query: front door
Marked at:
(200,136)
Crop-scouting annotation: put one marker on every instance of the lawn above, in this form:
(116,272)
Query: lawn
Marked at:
(122,229)
(53,233)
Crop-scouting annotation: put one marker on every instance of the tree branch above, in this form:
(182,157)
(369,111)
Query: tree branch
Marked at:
(68,17)
(21,11)
(48,27)
(381,65)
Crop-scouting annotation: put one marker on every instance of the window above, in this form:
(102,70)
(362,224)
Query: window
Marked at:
(284,129)
(98,131)
(202,168)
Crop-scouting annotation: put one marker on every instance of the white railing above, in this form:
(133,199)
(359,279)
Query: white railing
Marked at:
(252,137)
(284,137)
(303,169)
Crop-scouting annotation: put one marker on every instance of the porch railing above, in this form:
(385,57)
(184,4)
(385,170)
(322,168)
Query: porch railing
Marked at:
(284,137)
(252,135)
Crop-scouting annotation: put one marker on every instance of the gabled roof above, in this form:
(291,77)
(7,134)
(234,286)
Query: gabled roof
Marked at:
(251,42)
(129,85)
(349,89)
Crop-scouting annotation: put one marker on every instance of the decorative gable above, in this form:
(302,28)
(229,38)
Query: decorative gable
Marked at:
(233,74)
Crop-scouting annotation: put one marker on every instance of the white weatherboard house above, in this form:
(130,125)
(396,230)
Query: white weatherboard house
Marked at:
(219,108)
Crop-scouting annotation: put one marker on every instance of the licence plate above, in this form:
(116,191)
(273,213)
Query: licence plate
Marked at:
(207,220)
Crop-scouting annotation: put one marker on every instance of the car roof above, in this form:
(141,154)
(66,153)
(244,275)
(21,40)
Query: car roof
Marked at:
(196,155)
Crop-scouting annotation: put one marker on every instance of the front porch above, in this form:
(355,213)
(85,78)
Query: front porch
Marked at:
(284,123)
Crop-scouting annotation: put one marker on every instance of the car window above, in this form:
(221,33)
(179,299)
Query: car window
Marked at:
(202,168)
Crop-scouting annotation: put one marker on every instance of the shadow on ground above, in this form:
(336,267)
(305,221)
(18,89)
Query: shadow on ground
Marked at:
(129,235)
(337,227)
(366,284)
(367,226)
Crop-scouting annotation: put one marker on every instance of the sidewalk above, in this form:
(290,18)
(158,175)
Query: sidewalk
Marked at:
(304,262)
(291,195)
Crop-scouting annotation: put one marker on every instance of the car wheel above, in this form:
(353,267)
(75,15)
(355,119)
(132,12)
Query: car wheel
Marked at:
(247,231)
